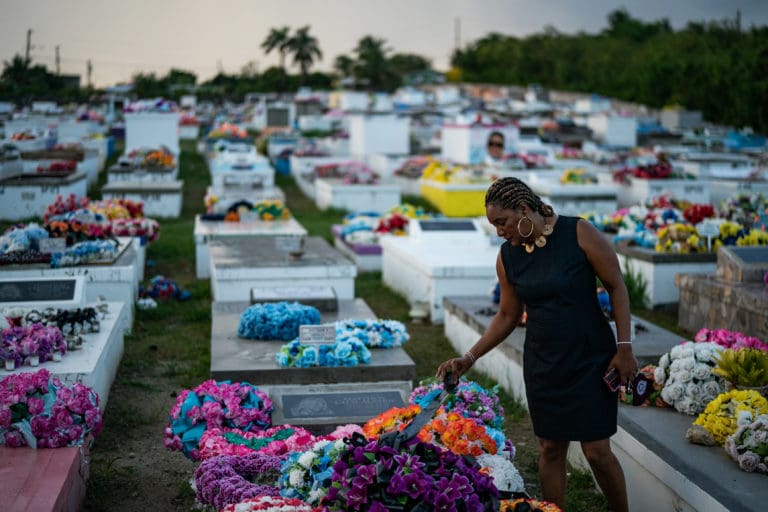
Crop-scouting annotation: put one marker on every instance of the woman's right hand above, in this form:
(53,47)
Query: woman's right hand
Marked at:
(457,366)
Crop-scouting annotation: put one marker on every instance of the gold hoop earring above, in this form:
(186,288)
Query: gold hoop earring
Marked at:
(518,226)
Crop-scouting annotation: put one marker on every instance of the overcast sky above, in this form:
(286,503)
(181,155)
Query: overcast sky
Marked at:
(122,37)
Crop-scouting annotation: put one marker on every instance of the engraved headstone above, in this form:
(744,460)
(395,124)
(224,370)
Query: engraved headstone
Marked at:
(321,297)
(42,292)
(339,405)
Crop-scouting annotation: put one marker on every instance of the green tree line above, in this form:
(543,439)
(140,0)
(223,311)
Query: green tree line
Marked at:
(23,82)
(371,66)
(716,67)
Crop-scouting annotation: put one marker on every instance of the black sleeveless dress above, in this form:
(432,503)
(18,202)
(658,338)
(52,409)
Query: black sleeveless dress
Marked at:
(568,341)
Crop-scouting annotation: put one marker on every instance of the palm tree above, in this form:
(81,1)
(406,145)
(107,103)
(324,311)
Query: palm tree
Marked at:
(277,39)
(305,48)
(373,66)
(16,70)
(344,65)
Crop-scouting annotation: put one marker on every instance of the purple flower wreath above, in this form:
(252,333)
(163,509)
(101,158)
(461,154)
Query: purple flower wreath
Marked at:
(418,477)
(226,479)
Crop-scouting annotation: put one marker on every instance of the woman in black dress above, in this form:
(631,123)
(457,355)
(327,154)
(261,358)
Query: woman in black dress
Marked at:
(549,264)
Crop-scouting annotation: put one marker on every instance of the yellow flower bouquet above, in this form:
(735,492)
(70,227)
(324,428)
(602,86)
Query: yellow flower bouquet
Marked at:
(680,238)
(721,416)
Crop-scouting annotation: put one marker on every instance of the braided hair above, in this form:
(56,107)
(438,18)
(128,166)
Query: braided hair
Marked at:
(510,193)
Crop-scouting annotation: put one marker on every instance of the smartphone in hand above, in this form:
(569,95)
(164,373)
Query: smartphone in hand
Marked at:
(612,379)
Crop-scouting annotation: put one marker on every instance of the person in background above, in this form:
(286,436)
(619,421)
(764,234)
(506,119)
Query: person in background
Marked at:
(495,148)
(548,265)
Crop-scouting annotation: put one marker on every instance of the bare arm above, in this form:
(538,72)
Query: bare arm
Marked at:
(501,326)
(603,259)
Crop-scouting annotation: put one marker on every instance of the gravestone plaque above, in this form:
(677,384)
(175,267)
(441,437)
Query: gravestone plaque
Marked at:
(240,181)
(49,292)
(52,245)
(447,225)
(324,334)
(320,297)
(339,405)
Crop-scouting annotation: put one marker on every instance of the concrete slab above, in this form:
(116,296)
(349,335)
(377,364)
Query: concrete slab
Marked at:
(239,265)
(425,271)
(117,282)
(254,361)
(206,232)
(321,297)
(230,195)
(26,196)
(334,193)
(673,474)
(659,270)
(160,198)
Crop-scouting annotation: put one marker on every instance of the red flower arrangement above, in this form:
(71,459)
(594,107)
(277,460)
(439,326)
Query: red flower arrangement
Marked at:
(61,205)
(64,167)
(392,223)
(698,212)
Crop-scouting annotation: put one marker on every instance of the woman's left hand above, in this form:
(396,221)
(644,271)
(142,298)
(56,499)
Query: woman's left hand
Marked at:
(625,363)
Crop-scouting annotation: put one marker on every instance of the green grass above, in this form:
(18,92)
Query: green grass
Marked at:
(169,350)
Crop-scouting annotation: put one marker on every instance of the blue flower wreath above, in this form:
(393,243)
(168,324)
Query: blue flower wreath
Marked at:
(373,333)
(276,321)
(349,352)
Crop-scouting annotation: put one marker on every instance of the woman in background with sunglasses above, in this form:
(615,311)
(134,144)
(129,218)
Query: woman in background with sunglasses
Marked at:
(495,149)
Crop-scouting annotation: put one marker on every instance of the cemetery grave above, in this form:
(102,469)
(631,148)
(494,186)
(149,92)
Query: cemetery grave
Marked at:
(332,374)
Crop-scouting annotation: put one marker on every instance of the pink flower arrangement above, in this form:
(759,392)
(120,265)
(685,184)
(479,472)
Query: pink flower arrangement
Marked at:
(211,405)
(344,432)
(37,410)
(278,441)
(729,339)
